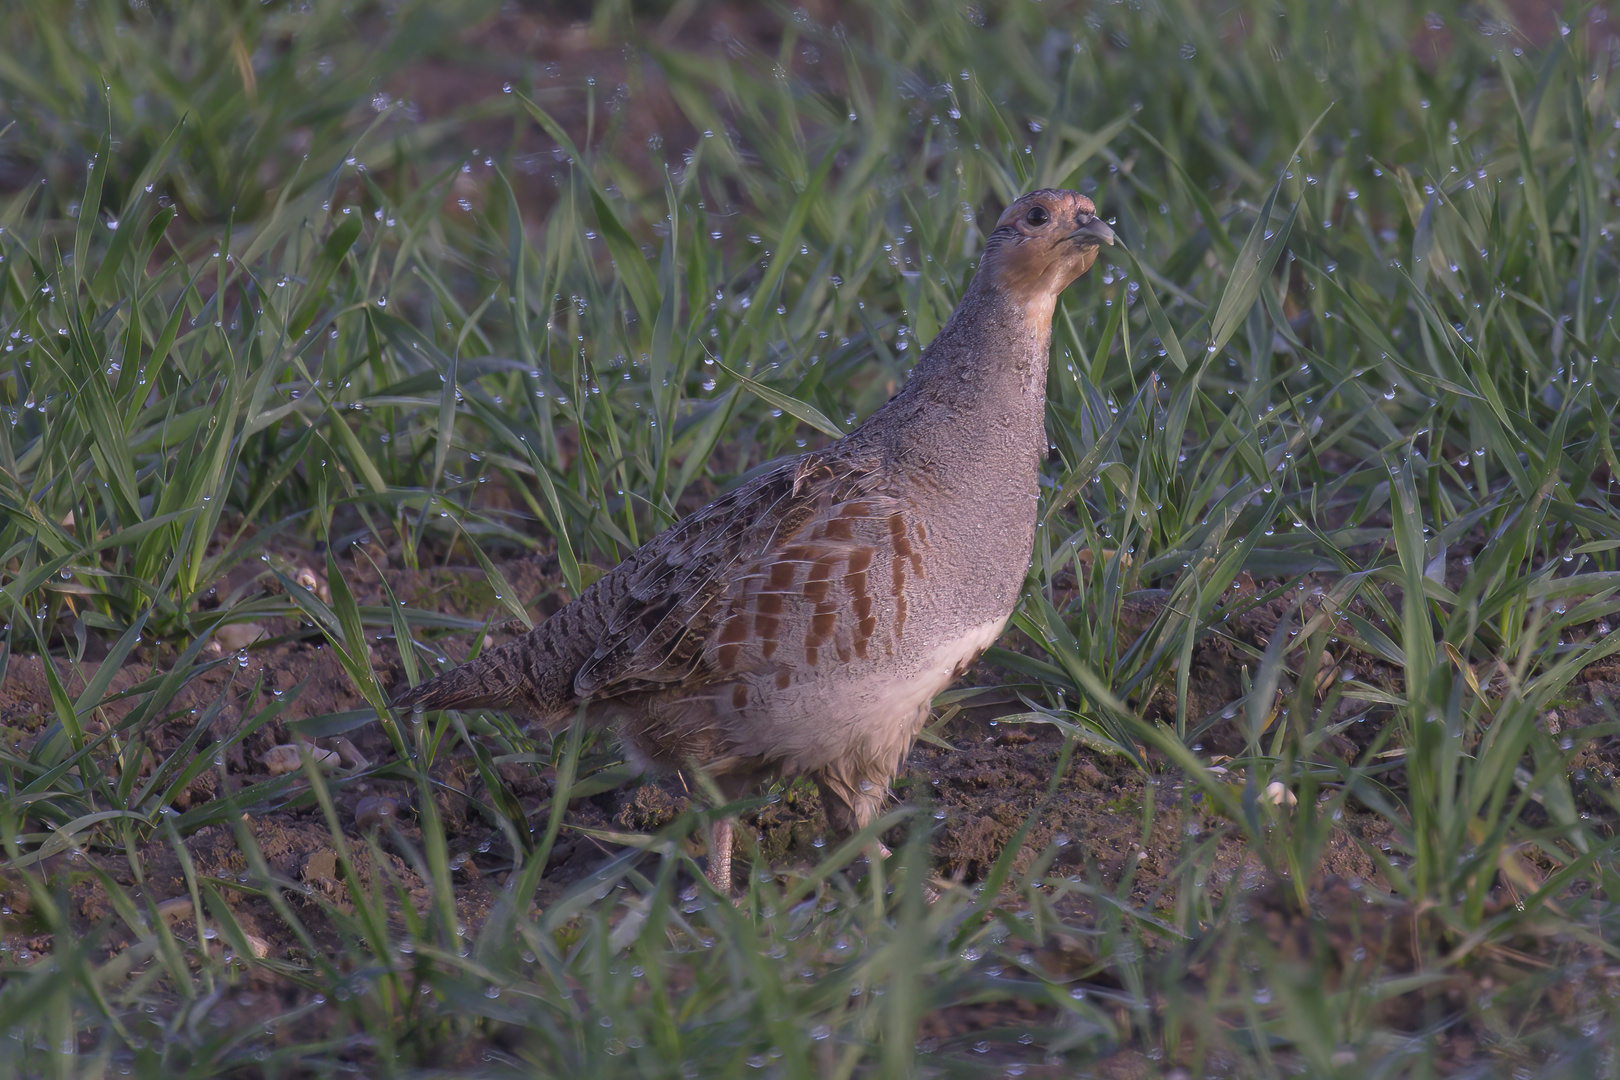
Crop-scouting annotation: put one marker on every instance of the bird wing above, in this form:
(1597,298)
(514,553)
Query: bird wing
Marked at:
(676,590)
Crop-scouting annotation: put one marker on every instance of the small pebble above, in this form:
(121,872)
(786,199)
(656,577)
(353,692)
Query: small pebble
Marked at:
(373,811)
(284,758)
(1277,794)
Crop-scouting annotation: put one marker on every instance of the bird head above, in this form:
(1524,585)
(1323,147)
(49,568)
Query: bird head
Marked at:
(1042,242)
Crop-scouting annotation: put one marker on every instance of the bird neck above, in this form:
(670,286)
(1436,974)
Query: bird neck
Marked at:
(976,400)
(994,346)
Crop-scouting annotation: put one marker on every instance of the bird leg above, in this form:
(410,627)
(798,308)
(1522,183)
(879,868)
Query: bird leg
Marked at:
(719,870)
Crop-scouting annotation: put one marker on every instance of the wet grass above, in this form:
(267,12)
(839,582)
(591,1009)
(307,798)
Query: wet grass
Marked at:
(1356,362)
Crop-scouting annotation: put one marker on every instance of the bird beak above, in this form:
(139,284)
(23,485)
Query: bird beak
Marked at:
(1093,233)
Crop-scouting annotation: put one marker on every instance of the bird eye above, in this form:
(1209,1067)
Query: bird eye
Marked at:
(1037,216)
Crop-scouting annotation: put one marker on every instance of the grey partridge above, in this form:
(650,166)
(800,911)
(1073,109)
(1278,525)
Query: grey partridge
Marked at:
(802,623)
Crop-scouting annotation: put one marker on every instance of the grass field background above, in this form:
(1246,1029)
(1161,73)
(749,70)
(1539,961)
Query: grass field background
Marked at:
(289,287)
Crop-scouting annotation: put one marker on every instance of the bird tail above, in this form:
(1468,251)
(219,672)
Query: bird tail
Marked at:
(489,682)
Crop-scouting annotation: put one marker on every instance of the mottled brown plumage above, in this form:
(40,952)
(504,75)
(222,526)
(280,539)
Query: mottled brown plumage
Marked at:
(802,622)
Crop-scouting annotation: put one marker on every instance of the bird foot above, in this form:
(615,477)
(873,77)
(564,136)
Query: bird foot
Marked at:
(719,868)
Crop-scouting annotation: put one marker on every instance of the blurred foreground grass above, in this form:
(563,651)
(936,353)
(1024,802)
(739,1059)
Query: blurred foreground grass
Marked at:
(1364,373)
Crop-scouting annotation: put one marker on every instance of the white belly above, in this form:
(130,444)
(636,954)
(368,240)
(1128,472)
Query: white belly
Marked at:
(878,716)
(905,698)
